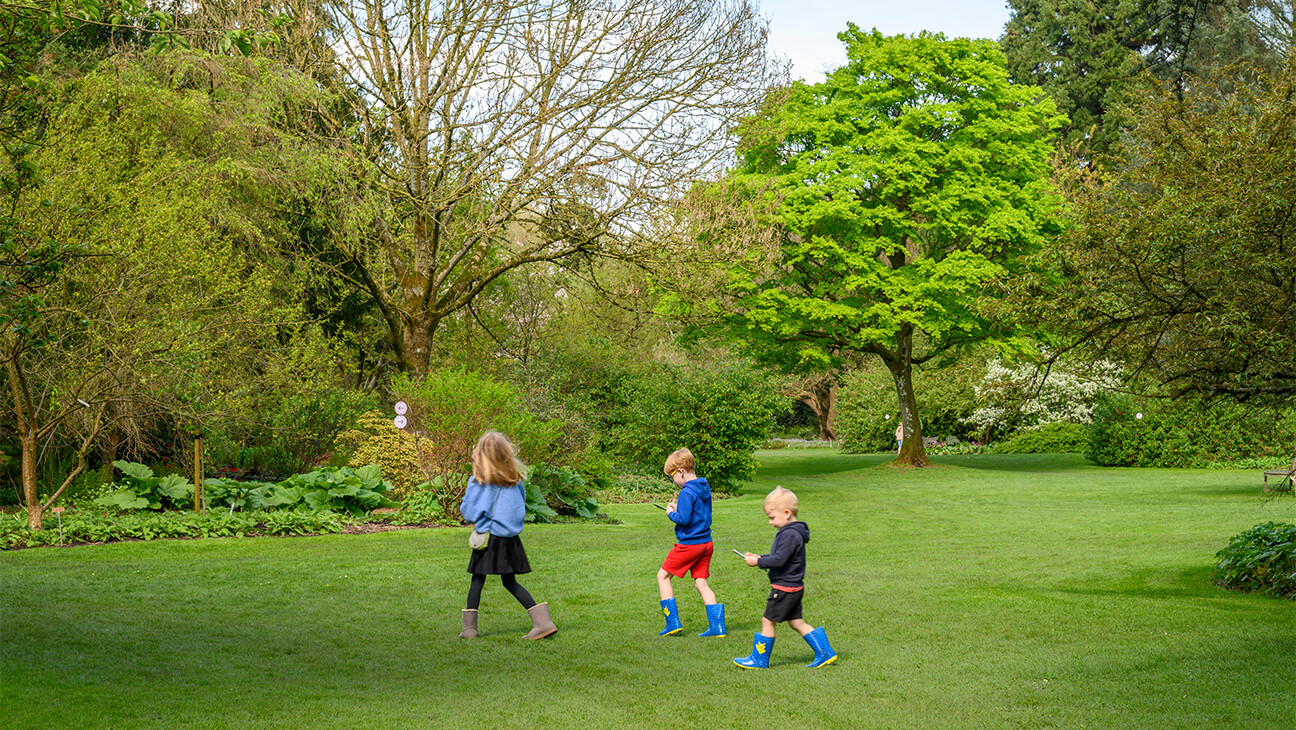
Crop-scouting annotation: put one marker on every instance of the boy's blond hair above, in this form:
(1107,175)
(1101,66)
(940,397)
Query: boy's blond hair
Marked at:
(680,459)
(782,498)
(494,460)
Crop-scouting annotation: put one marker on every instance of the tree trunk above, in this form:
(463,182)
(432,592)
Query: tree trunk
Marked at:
(35,513)
(416,337)
(912,451)
(822,399)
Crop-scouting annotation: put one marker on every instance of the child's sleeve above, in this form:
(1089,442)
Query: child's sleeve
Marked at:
(784,547)
(471,509)
(683,508)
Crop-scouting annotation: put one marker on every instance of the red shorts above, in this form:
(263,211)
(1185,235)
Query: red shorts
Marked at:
(684,558)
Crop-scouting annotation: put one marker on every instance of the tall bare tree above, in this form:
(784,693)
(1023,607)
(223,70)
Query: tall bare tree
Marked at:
(497,133)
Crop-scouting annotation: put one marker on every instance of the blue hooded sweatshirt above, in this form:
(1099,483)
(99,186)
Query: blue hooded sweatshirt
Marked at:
(692,515)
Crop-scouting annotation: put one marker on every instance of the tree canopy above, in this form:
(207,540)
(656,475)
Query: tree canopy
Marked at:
(901,188)
(495,134)
(1179,261)
(1088,55)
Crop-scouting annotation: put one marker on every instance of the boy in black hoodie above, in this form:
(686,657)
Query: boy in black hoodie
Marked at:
(786,563)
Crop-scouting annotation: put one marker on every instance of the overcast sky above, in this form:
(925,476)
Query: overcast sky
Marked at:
(805,31)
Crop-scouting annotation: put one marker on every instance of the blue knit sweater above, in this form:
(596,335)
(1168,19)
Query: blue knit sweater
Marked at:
(508,514)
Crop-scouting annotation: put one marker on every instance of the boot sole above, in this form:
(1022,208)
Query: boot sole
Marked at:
(669,633)
(541,636)
(825,663)
(744,666)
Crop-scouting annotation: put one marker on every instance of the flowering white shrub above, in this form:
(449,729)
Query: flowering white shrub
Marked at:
(1028,397)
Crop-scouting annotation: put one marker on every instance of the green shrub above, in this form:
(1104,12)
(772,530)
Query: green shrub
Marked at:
(450,408)
(417,507)
(1260,559)
(93,527)
(720,414)
(306,426)
(374,439)
(139,489)
(1055,438)
(562,490)
(341,489)
(1187,433)
(287,435)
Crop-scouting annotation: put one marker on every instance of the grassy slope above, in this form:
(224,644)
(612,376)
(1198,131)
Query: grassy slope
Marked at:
(992,591)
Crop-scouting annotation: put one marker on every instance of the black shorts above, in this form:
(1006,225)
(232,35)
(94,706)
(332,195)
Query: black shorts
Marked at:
(783,605)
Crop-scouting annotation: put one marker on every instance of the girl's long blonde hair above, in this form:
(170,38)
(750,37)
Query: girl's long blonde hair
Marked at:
(495,461)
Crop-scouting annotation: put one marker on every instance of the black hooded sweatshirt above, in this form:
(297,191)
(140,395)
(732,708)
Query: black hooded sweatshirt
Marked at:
(786,561)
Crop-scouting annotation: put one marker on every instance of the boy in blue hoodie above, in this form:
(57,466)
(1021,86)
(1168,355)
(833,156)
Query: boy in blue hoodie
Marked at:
(786,563)
(691,513)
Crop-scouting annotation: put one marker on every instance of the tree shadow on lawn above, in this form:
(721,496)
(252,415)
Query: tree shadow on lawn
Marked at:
(1018,462)
(790,464)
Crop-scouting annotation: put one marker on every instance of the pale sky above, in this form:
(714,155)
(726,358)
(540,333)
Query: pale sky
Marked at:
(805,31)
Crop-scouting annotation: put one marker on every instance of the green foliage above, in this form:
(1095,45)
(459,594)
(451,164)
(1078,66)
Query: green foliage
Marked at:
(1088,55)
(1187,433)
(1260,559)
(946,398)
(341,489)
(92,527)
(450,408)
(289,434)
(335,489)
(562,490)
(308,424)
(139,489)
(374,439)
(417,507)
(1179,259)
(238,495)
(1054,438)
(907,181)
(721,414)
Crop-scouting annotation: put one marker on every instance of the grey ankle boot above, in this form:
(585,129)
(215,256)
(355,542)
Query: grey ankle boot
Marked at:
(469,624)
(541,624)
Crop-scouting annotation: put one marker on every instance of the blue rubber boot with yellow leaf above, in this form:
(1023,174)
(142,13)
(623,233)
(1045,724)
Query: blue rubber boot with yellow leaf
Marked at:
(673,625)
(715,620)
(760,656)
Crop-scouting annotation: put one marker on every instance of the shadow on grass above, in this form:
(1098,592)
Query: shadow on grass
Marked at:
(786,463)
(1018,462)
(1191,582)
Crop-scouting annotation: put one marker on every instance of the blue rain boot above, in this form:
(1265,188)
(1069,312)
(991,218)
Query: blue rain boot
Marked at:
(715,617)
(761,647)
(824,654)
(673,625)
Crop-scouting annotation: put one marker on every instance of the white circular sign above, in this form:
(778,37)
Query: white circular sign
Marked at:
(1138,415)
(400,422)
(401,408)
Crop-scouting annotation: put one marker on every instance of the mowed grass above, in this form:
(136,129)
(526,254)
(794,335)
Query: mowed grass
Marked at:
(989,592)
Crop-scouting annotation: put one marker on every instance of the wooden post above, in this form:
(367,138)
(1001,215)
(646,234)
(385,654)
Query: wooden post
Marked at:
(198,471)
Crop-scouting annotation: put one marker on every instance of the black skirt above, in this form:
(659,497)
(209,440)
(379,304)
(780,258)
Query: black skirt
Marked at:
(502,555)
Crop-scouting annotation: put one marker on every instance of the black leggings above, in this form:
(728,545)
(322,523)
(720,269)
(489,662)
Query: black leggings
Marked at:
(510,584)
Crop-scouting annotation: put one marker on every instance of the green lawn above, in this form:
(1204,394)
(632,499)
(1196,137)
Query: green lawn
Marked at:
(991,591)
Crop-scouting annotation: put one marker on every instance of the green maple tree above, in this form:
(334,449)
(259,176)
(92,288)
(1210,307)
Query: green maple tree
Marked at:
(900,189)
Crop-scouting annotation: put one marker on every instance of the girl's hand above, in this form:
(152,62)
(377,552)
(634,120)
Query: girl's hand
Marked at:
(751,559)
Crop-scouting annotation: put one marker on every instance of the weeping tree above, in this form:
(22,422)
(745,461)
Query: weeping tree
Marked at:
(153,290)
(492,134)
(898,191)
